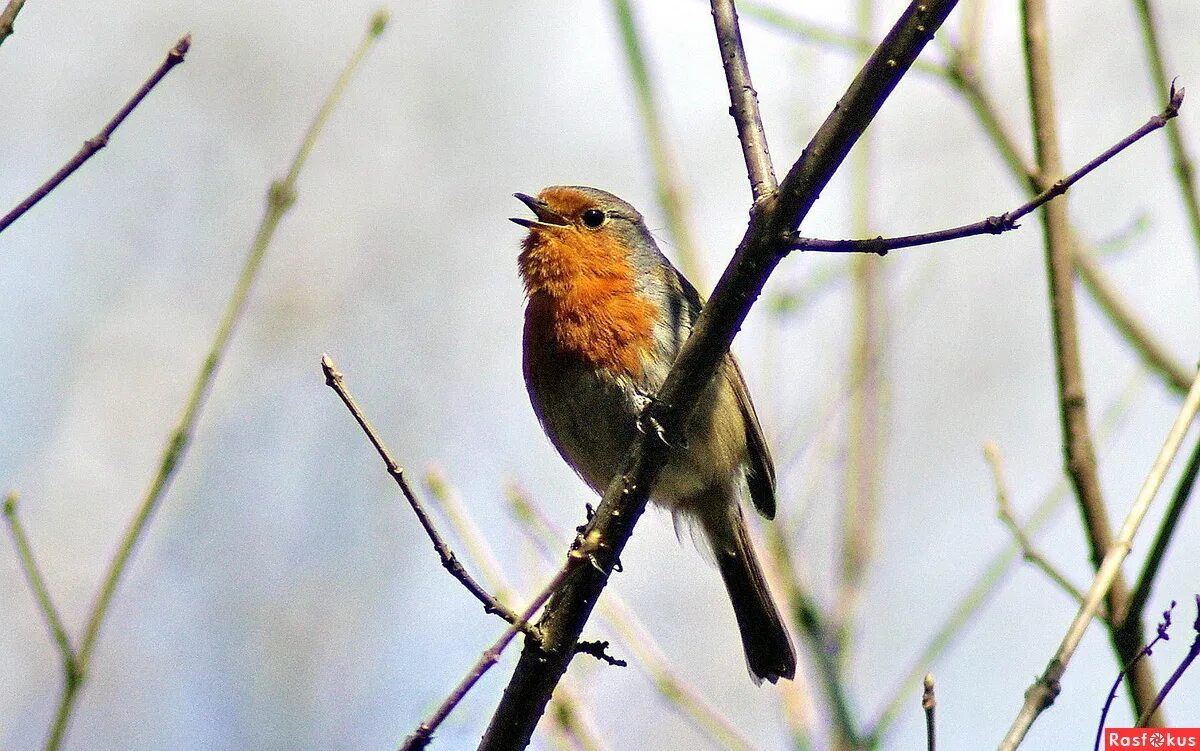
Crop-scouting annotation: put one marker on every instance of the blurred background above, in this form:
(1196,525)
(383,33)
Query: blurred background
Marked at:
(284,596)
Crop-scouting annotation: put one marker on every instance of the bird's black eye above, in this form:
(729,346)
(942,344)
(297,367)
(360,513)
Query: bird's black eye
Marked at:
(593,218)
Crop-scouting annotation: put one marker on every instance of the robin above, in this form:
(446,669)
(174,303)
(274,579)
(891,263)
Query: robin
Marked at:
(606,316)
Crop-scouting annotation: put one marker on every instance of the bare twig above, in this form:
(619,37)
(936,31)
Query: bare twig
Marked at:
(929,704)
(960,73)
(1185,171)
(995,225)
(280,198)
(1078,452)
(1164,627)
(1042,693)
(605,536)
(421,736)
(672,193)
(1192,653)
(100,140)
(41,593)
(987,582)
(7,17)
(575,726)
(744,100)
(1162,539)
(1008,517)
(333,379)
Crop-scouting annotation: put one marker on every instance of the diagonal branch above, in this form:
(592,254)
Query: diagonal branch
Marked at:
(987,581)
(37,583)
(1041,694)
(995,225)
(333,379)
(772,220)
(100,140)
(8,17)
(744,100)
(421,736)
(280,198)
(1192,653)
(959,72)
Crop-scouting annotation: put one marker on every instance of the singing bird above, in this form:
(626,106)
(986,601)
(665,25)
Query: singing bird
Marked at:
(607,313)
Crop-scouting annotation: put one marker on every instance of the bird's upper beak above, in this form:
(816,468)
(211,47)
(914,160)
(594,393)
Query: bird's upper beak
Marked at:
(546,217)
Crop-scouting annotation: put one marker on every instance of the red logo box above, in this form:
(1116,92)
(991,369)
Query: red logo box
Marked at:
(1151,738)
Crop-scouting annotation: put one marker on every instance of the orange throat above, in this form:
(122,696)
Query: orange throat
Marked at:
(583,302)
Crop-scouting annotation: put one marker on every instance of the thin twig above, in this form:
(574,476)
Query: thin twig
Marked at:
(1163,634)
(995,225)
(333,379)
(929,704)
(959,73)
(1042,693)
(539,670)
(1162,538)
(567,710)
(998,567)
(1192,653)
(1004,511)
(672,193)
(100,140)
(1184,168)
(424,732)
(8,17)
(1078,452)
(37,583)
(280,198)
(744,100)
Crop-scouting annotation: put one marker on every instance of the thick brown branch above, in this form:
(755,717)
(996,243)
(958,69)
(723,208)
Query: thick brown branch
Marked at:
(100,140)
(1078,451)
(772,221)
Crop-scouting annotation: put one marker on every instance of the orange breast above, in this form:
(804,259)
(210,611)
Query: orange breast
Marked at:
(582,300)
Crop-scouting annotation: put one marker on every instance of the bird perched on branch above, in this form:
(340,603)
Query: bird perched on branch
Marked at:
(606,316)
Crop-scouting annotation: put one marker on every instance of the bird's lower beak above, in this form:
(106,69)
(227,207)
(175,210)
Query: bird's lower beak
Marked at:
(546,217)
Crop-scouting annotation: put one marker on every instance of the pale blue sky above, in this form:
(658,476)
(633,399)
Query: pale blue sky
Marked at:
(285,598)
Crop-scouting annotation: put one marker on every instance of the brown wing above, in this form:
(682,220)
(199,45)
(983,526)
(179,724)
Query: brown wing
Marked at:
(761,476)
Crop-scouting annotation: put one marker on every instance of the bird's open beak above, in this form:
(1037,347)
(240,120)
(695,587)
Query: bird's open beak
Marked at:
(546,217)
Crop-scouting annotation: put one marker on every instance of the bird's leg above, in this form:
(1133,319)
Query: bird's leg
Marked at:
(643,403)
